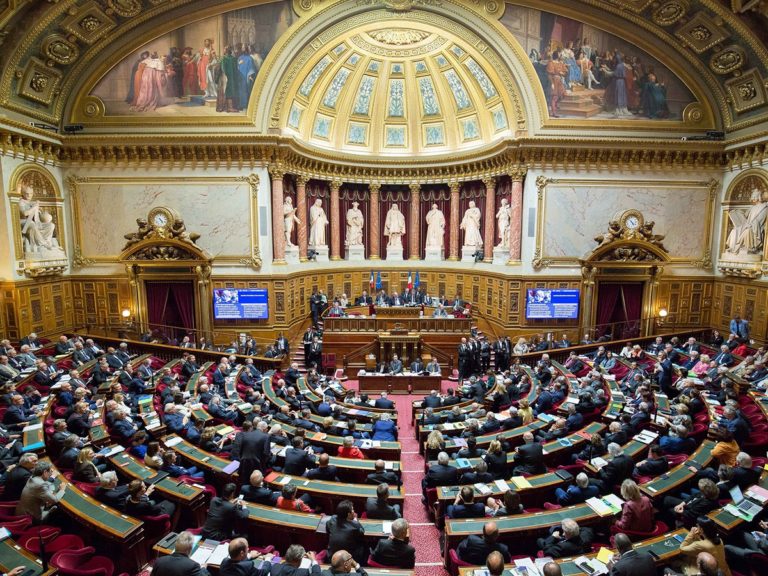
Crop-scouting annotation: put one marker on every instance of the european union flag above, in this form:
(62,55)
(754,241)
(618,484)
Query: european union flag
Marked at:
(378,280)
(417,281)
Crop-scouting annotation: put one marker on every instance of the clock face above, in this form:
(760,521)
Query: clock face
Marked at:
(632,222)
(160,219)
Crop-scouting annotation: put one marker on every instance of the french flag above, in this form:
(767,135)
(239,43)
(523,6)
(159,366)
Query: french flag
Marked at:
(410,281)
(371,282)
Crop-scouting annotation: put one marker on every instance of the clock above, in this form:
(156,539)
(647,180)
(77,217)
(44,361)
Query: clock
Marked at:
(161,218)
(631,220)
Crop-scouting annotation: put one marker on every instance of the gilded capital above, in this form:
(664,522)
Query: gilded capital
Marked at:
(415,188)
(489,183)
(301,180)
(335,186)
(375,188)
(455,187)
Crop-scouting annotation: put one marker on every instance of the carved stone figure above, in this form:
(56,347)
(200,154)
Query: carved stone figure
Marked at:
(503,218)
(435,228)
(289,217)
(139,235)
(471,226)
(394,227)
(355,222)
(748,232)
(37,226)
(317,223)
(614,232)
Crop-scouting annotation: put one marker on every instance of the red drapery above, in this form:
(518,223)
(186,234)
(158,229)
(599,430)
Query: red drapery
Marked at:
(633,302)
(183,295)
(354,193)
(401,196)
(607,300)
(157,300)
(438,194)
(619,307)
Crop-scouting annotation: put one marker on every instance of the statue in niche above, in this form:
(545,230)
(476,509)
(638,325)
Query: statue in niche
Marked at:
(317,223)
(394,227)
(355,223)
(289,217)
(503,218)
(471,226)
(748,233)
(435,228)
(37,226)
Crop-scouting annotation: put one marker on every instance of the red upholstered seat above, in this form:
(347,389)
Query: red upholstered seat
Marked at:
(454,562)
(658,529)
(31,543)
(550,506)
(82,562)
(756,442)
(16,527)
(675,459)
(373,564)
(321,556)
(88,488)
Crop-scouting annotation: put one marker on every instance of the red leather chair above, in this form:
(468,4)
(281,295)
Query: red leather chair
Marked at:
(57,543)
(17,527)
(82,562)
(321,556)
(156,526)
(373,564)
(550,506)
(658,529)
(454,562)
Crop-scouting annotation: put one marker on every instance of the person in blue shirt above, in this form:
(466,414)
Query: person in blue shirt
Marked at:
(676,442)
(324,408)
(544,402)
(354,432)
(139,445)
(384,429)
(64,396)
(175,470)
(177,423)
(122,427)
(578,492)
(217,410)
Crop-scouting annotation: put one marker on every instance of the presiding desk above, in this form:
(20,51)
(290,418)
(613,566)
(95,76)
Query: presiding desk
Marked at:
(399,384)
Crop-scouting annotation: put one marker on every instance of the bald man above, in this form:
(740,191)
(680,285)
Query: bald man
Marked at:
(342,562)
(474,549)
(241,562)
(630,562)
(495,564)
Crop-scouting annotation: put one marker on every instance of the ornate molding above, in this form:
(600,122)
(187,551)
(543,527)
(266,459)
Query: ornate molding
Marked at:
(255,260)
(80,261)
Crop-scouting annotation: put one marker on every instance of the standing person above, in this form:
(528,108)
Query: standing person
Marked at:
(224,512)
(740,327)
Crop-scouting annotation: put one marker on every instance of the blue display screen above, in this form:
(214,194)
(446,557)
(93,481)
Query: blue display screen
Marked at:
(551,304)
(232,304)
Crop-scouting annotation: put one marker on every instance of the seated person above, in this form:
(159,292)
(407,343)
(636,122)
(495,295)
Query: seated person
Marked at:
(480,475)
(509,505)
(471,450)
(677,441)
(178,423)
(384,429)
(566,540)
(464,506)
(474,549)
(441,473)
(578,492)
(257,493)
(324,470)
(637,511)
(529,458)
(655,464)
(110,493)
(288,500)
(175,470)
(138,504)
(240,561)
(379,508)
(396,551)
(68,457)
(381,475)
(349,450)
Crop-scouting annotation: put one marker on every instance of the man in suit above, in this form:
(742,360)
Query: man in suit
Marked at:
(432,401)
(292,375)
(629,562)
(240,561)
(223,513)
(384,403)
(379,508)
(44,377)
(7,372)
(16,414)
(281,345)
(113,360)
(417,366)
(744,475)
(691,346)
(122,353)
(440,474)
(179,563)
(297,460)
(740,327)
(529,457)
(324,471)
(474,549)
(396,551)
(724,357)
(433,367)
(396,366)
(190,367)
(254,450)
(364,299)
(315,352)
(109,492)
(38,497)
(578,492)
(381,475)
(464,506)
(17,478)
(291,566)
(256,492)
(63,346)
(568,540)
(618,469)
(145,370)
(395,300)
(655,464)
(465,359)
(81,355)
(31,341)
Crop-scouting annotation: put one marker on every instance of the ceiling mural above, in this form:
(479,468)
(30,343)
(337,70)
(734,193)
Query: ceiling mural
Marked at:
(586,72)
(201,69)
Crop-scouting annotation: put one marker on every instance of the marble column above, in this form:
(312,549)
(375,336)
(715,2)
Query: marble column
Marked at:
(490,219)
(415,236)
(301,210)
(454,221)
(516,217)
(335,221)
(278,224)
(373,226)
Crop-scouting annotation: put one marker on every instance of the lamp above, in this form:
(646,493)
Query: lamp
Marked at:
(663,313)
(125,313)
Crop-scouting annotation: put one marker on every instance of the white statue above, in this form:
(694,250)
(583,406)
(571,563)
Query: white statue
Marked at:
(503,218)
(435,228)
(355,222)
(37,225)
(471,226)
(748,231)
(394,227)
(317,222)
(289,217)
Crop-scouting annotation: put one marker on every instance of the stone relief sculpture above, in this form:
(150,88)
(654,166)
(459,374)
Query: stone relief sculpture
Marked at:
(38,229)
(163,224)
(394,227)
(503,218)
(471,226)
(289,217)
(355,223)
(317,223)
(747,237)
(435,228)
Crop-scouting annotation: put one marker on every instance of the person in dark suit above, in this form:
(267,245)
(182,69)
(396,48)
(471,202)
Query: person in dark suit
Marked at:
(479,474)
(567,540)
(432,401)
(441,474)
(81,355)
(297,460)
(381,475)
(618,469)
(32,341)
(240,561)
(744,475)
(292,564)
(190,367)
(16,479)
(396,365)
(474,549)
(384,403)
(379,508)
(223,513)
(464,506)
(138,503)
(110,493)
(292,375)
(256,492)
(364,299)
(396,551)
(324,471)
(281,345)
(179,563)
(655,464)
(113,360)
(578,492)
(346,533)
(630,562)
(529,458)
(16,414)
(724,357)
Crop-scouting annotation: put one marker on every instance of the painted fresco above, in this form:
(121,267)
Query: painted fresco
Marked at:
(205,68)
(586,72)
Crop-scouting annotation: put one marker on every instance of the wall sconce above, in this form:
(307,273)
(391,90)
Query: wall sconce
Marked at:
(663,313)
(126,314)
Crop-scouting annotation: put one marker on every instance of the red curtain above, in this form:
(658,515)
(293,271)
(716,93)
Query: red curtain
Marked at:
(354,193)
(607,301)
(633,303)
(438,194)
(157,301)
(401,196)
(183,295)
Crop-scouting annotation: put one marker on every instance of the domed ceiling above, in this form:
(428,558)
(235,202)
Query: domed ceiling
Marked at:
(399,89)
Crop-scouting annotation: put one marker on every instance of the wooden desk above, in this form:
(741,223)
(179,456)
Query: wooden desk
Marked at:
(680,474)
(399,384)
(13,555)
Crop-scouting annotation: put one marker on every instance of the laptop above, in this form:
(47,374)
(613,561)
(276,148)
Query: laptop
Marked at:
(746,506)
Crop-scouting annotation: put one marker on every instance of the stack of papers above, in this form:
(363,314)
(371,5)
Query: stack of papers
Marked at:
(173,441)
(598,462)
(521,482)
(593,566)
(758,494)
(606,506)
(482,488)
(501,485)
(646,437)
(219,554)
